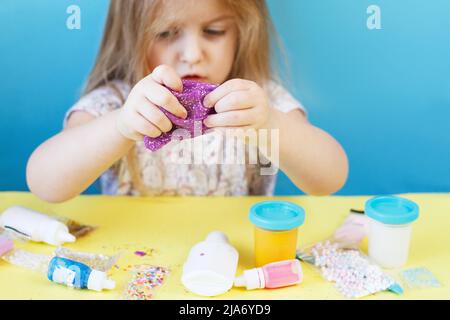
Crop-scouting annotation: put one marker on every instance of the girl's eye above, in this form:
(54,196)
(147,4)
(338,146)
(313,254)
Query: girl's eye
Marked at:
(214,32)
(167,34)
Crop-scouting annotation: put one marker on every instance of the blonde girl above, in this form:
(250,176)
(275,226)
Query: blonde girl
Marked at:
(149,47)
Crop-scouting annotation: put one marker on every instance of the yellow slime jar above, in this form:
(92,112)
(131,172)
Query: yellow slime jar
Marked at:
(276,227)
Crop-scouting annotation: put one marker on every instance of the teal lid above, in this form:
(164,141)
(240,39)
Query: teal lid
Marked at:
(392,210)
(277,215)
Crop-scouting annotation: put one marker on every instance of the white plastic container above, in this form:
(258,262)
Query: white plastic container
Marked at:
(211,266)
(390,229)
(35,226)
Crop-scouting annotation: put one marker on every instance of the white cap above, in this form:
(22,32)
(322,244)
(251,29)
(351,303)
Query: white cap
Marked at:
(217,236)
(59,236)
(98,281)
(251,279)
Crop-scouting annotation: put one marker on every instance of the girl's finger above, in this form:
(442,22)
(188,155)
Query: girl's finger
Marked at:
(168,77)
(235,100)
(231,85)
(143,126)
(151,113)
(230,119)
(161,96)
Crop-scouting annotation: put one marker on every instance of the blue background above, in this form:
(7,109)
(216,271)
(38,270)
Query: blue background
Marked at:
(384,94)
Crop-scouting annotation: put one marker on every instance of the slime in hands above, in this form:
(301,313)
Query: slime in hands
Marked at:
(192,100)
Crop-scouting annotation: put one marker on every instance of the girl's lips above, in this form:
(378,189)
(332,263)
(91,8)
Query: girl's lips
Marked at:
(195,78)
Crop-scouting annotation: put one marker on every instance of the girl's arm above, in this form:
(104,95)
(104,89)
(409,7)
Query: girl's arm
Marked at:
(314,161)
(310,157)
(66,164)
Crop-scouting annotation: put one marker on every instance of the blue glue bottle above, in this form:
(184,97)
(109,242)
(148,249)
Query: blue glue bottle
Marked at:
(78,275)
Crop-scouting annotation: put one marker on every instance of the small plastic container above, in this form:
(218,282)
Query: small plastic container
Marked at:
(390,229)
(276,228)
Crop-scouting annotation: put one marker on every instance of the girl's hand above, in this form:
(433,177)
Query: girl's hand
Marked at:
(240,104)
(140,115)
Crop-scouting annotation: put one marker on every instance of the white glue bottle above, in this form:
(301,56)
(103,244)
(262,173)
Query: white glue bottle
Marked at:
(211,266)
(35,226)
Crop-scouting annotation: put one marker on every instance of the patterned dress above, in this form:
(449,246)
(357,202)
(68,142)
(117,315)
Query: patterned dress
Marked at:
(163,173)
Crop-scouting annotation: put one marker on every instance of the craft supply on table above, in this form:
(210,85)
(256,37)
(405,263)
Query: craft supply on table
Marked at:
(419,278)
(95,261)
(354,275)
(353,230)
(28,260)
(145,279)
(88,275)
(6,244)
(390,229)
(276,228)
(211,266)
(274,275)
(77,229)
(28,224)
(78,275)
(192,100)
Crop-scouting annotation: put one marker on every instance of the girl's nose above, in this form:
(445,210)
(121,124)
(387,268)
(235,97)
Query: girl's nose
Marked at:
(191,51)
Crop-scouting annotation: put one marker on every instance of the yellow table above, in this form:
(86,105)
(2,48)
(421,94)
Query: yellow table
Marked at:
(172,225)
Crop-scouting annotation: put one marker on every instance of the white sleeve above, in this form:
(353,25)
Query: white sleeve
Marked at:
(282,100)
(99,101)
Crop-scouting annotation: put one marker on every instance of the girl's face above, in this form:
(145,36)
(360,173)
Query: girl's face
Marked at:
(200,44)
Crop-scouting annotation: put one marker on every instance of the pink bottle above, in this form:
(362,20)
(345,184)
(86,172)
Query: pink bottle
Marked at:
(273,275)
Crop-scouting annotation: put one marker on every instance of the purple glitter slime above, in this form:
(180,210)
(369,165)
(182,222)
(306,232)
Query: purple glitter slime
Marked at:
(192,100)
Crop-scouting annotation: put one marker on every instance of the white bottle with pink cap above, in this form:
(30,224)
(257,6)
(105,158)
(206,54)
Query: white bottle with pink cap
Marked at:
(273,275)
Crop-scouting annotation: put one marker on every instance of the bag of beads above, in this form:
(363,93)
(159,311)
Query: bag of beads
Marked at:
(354,275)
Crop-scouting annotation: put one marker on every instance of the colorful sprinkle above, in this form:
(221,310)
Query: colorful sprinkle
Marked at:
(144,280)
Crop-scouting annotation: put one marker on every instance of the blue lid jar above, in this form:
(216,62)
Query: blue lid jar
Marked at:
(392,210)
(277,215)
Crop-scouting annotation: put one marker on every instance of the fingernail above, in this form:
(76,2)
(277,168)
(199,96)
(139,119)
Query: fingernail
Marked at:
(206,103)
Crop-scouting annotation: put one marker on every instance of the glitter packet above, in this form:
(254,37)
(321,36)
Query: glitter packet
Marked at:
(39,262)
(354,276)
(25,259)
(76,228)
(145,279)
(94,261)
(419,278)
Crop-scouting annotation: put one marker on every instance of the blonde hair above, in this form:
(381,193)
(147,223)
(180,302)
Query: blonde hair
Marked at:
(128,35)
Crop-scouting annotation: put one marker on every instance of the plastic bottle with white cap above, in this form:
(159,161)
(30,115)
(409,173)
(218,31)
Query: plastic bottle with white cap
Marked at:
(211,266)
(35,226)
(78,275)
